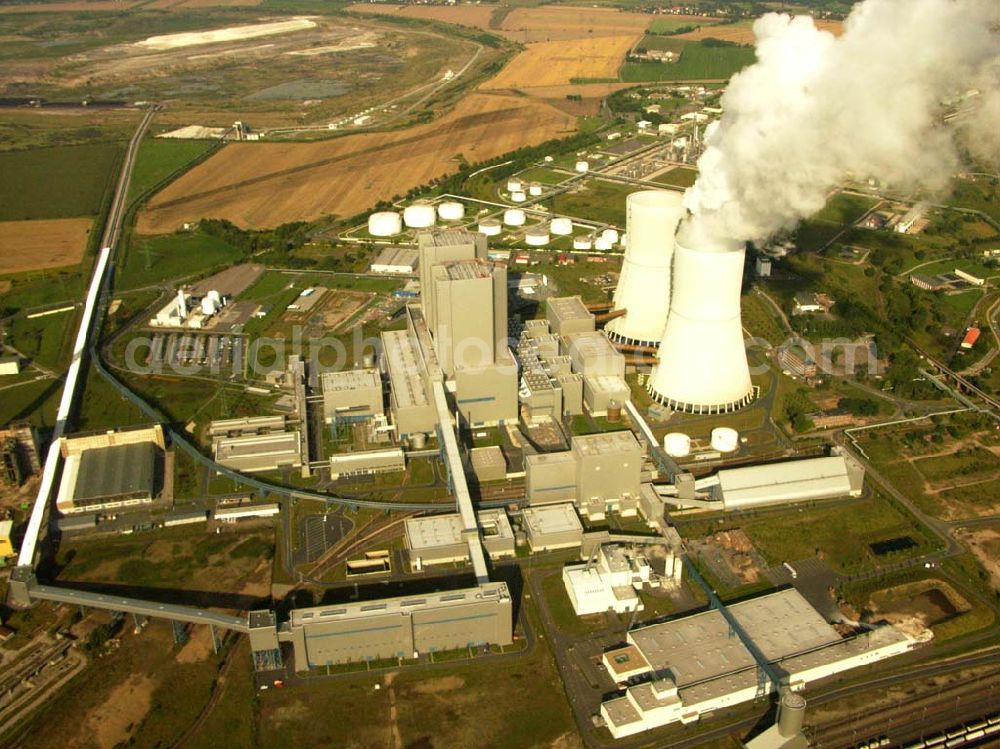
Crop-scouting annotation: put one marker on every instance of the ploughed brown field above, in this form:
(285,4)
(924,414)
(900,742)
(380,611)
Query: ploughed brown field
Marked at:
(42,243)
(266,184)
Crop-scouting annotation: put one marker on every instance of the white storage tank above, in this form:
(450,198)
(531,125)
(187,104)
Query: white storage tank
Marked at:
(623,240)
(537,236)
(491,227)
(208,306)
(518,197)
(582,166)
(602,244)
(582,243)
(419,216)
(610,234)
(451,210)
(514,217)
(549,159)
(514,185)
(534,189)
(677,444)
(562,226)
(216,297)
(385,224)
(725,439)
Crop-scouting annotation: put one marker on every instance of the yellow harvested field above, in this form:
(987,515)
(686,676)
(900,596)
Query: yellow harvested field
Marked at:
(742,32)
(188,4)
(552,23)
(266,184)
(70,7)
(464,15)
(43,243)
(558,63)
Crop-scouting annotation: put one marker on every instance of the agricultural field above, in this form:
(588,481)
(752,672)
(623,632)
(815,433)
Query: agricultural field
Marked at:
(477,16)
(25,128)
(561,62)
(153,259)
(742,31)
(263,185)
(554,23)
(160,159)
(698,62)
(675,23)
(42,244)
(60,182)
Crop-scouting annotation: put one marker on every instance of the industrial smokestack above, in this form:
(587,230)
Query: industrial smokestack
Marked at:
(702,365)
(644,285)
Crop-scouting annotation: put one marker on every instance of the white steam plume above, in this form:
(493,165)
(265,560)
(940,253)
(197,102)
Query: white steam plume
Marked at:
(816,108)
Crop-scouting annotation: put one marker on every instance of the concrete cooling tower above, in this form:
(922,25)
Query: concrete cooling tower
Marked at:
(644,285)
(702,364)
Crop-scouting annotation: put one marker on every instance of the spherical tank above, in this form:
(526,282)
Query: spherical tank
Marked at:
(451,210)
(419,216)
(561,226)
(514,217)
(385,224)
(490,227)
(725,440)
(677,444)
(644,284)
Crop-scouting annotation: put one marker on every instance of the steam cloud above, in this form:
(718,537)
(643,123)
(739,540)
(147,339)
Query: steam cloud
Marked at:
(815,109)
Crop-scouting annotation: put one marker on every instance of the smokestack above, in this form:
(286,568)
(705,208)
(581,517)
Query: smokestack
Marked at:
(643,289)
(702,360)
(182,309)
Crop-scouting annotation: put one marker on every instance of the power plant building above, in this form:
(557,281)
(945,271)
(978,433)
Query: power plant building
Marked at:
(367,462)
(552,527)
(400,627)
(569,315)
(441,539)
(679,670)
(351,395)
(410,400)
(255,453)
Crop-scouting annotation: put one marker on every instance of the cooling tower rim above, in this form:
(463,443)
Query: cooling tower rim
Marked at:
(619,338)
(701,408)
(656,198)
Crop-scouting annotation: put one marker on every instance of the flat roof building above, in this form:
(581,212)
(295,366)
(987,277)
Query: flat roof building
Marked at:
(395,260)
(441,539)
(790,481)
(592,354)
(400,627)
(108,477)
(695,664)
(569,314)
(550,477)
(351,395)
(552,527)
(367,462)
(608,466)
(601,392)
(488,463)
(264,452)
(409,399)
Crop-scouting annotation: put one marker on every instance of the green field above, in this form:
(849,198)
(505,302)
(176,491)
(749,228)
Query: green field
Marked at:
(845,209)
(159,159)
(670,25)
(47,341)
(543,175)
(60,182)
(597,200)
(969,462)
(680,176)
(151,260)
(698,63)
(662,43)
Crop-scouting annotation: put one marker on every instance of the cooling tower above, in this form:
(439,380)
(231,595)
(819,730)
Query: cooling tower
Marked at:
(644,285)
(702,360)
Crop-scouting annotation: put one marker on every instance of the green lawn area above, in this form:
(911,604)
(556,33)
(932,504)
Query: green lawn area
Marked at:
(845,209)
(58,182)
(680,176)
(670,25)
(965,463)
(160,158)
(151,260)
(981,194)
(969,265)
(814,234)
(39,288)
(542,175)
(662,43)
(760,319)
(697,62)
(823,530)
(962,303)
(35,401)
(46,340)
(597,200)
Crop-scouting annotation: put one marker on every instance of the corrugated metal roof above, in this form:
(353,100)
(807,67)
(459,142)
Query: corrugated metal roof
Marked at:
(121,470)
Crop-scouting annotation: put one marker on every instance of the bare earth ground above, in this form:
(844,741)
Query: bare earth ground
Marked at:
(266,184)
(110,724)
(743,33)
(914,606)
(198,648)
(464,15)
(44,243)
(557,63)
(985,544)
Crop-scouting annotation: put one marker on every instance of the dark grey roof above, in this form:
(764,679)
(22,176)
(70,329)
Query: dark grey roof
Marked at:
(119,471)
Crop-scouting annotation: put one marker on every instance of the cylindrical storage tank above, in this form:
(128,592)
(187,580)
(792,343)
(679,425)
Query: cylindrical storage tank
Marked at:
(418,441)
(368,360)
(602,244)
(582,166)
(534,189)
(514,217)
(419,216)
(623,240)
(518,197)
(582,243)
(702,359)
(644,284)
(677,444)
(491,227)
(725,440)
(614,411)
(791,713)
(216,297)
(514,185)
(208,306)
(561,226)
(385,224)
(610,234)
(537,236)
(548,159)
(451,210)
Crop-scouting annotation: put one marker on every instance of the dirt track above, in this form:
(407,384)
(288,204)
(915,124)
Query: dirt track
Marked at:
(261,185)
